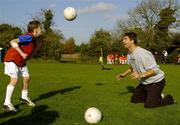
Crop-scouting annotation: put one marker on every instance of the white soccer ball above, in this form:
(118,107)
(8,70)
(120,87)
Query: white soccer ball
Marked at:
(93,115)
(70,13)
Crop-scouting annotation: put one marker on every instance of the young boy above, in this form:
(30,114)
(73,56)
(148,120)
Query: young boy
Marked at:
(144,68)
(15,64)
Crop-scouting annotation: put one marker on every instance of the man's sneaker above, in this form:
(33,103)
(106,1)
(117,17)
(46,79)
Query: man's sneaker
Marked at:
(9,108)
(27,101)
(169,99)
(162,96)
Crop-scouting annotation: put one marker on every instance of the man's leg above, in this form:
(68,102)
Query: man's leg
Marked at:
(154,98)
(139,94)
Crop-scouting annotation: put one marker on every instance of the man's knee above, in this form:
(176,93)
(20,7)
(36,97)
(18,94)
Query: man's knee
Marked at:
(137,100)
(152,104)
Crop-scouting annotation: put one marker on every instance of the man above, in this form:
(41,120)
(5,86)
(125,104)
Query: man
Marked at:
(144,68)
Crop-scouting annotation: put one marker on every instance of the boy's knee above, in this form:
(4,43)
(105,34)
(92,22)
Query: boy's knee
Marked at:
(26,77)
(14,81)
(26,80)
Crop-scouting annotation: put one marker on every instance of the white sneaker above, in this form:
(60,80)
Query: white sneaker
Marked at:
(27,101)
(9,108)
(162,96)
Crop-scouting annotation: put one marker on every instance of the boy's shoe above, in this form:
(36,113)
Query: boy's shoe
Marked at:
(27,101)
(9,108)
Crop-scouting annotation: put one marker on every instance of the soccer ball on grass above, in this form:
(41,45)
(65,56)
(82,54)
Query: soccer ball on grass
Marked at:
(93,115)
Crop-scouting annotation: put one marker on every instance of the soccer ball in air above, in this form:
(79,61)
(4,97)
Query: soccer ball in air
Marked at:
(70,13)
(93,115)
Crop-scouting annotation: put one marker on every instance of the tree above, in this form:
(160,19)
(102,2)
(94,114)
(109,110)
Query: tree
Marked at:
(175,39)
(7,33)
(85,49)
(69,46)
(144,19)
(117,45)
(49,45)
(48,17)
(100,39)
(77,49)
(161,28)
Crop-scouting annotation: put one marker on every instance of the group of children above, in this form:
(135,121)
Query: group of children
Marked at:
(178,59)
(116,59)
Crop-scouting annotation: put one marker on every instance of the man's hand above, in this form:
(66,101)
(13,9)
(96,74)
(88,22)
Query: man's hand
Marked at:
(135,75)
(120,76)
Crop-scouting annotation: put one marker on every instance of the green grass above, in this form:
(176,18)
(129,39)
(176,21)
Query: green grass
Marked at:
(64,91)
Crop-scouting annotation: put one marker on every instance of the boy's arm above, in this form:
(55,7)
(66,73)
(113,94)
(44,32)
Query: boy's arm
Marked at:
(122,75)
(14,44)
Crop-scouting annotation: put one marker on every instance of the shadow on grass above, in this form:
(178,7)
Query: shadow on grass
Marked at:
(105,68)
(98,84)
(44,96)
(130,89)
(7,114)
(40,115)
(52,93)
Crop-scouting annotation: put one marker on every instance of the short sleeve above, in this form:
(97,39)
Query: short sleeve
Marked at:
(149,62)
(25,38)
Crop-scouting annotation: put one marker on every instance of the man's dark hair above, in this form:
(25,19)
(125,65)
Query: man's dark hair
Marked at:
(132,36)
(32,25)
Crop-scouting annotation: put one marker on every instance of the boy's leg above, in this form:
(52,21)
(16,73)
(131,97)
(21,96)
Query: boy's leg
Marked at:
(8,106)
(9,90)
(24,95)
(12,71)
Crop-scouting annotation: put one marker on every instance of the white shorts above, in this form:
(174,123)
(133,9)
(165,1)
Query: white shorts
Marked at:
(12,70)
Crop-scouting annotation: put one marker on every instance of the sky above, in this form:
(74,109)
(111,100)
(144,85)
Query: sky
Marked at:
(91,14)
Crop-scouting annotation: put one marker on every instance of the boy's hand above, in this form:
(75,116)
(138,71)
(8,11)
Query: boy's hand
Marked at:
(120,76)
(24,55)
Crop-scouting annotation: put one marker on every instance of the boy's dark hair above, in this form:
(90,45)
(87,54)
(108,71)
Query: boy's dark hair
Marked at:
(32,25)
(132,36)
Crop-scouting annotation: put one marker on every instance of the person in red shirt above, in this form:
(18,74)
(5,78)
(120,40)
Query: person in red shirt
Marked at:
(15,63)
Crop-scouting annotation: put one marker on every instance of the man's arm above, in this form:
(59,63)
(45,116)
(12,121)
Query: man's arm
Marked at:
(122,75)
(14,44)
(148,73)
(149,64)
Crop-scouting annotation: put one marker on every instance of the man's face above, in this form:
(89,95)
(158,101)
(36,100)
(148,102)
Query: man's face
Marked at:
(127,42)
(37,31)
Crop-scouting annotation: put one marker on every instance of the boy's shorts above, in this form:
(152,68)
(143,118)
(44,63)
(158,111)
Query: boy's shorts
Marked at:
(12,70)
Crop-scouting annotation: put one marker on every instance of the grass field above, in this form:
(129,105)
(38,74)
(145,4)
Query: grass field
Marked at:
(64,91)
